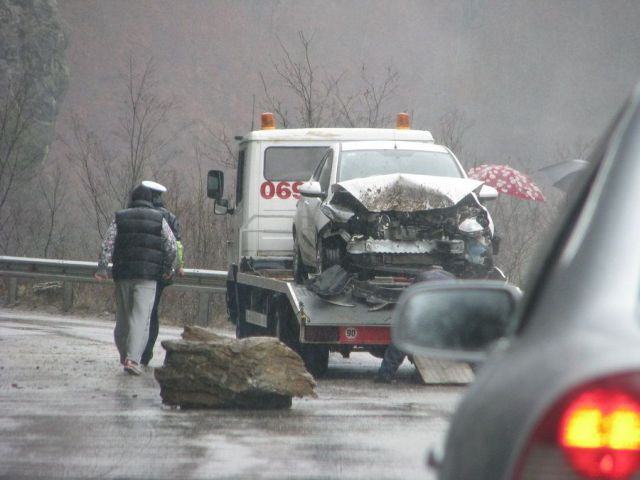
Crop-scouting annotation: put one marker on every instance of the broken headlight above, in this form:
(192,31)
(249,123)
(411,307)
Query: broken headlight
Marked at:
(471,226)
(335,213)
(382,225)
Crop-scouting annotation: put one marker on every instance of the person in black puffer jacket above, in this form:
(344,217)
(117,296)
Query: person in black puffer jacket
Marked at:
(154,326)
(143,250)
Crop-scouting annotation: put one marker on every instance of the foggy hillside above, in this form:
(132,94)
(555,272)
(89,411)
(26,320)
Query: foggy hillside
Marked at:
(528,83)
(530,76)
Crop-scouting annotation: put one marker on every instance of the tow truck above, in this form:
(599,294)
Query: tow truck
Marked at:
(263,299)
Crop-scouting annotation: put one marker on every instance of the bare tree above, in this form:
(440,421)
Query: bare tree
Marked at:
(578,150)
(216,146)
(523,225)
(365,107)
(98,173)
(312,94)
(17,119)
(143,143)
(145,114)
(320,98)
(203,232)
(10,233)
(451,130)
(274,104)
(53,189)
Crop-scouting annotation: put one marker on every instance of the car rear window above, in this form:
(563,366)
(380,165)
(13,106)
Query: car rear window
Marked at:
(368,163)
(291,163)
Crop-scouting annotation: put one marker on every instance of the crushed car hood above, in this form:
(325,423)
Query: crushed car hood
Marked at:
(407,193)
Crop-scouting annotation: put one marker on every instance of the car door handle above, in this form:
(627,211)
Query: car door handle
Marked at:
(306,202)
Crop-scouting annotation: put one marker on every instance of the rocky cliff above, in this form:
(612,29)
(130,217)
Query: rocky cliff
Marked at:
(32,66)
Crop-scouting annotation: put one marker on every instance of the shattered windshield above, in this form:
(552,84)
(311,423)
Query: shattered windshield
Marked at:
(368,163)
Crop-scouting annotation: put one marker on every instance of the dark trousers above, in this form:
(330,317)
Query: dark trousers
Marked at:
(154,326)
(392,360)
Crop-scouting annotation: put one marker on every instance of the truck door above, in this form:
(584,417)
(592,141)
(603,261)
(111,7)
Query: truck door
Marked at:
(237,220)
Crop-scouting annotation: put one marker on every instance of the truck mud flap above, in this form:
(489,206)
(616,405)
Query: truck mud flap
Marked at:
(443,372)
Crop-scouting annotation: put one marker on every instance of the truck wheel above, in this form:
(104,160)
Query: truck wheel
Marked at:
(316,359)
(286,330)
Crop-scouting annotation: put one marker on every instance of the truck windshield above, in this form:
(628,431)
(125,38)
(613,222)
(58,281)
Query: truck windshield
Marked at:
(291,163)
(368,163)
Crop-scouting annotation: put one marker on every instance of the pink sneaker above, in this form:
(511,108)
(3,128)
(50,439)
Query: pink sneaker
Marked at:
(131,367)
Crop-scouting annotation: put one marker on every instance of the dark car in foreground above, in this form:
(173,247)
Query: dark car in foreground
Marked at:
(558,396)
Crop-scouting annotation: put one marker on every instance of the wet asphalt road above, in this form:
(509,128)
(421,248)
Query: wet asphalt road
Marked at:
(68,411)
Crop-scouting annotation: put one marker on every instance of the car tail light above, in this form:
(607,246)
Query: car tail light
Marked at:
(593,432)
(600,434)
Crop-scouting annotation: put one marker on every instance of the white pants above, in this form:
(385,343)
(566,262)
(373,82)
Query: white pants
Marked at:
(134,302)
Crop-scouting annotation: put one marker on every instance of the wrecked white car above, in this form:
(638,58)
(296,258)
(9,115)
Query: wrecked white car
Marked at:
(393,209)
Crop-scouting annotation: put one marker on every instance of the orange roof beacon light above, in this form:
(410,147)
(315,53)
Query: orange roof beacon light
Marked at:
(267,121)
(402,121)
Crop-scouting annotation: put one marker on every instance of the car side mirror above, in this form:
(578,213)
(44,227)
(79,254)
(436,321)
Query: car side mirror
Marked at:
(215,184)
(459,320)
(487,192)
(312,189)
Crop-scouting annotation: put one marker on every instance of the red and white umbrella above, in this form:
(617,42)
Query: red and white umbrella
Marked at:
(507,180)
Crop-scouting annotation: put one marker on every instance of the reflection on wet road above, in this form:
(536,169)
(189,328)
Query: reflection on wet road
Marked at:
(68,410)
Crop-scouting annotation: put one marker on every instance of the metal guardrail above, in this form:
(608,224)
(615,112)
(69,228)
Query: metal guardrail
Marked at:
(205,282)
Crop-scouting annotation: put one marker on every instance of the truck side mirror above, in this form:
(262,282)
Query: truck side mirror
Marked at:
(215,184)
(222,207)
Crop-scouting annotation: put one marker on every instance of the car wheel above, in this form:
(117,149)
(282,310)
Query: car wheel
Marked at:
(327,255)
(332,256)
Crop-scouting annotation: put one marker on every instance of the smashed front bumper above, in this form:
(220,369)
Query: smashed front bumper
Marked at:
(420,247)
(393,256)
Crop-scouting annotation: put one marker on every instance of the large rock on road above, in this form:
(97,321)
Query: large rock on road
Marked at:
(206,370)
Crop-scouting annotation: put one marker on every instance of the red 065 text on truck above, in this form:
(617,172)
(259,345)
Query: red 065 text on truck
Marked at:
(281,190)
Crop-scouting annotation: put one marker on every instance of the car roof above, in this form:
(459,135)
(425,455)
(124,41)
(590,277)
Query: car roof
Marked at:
(339,134)
(392,145)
